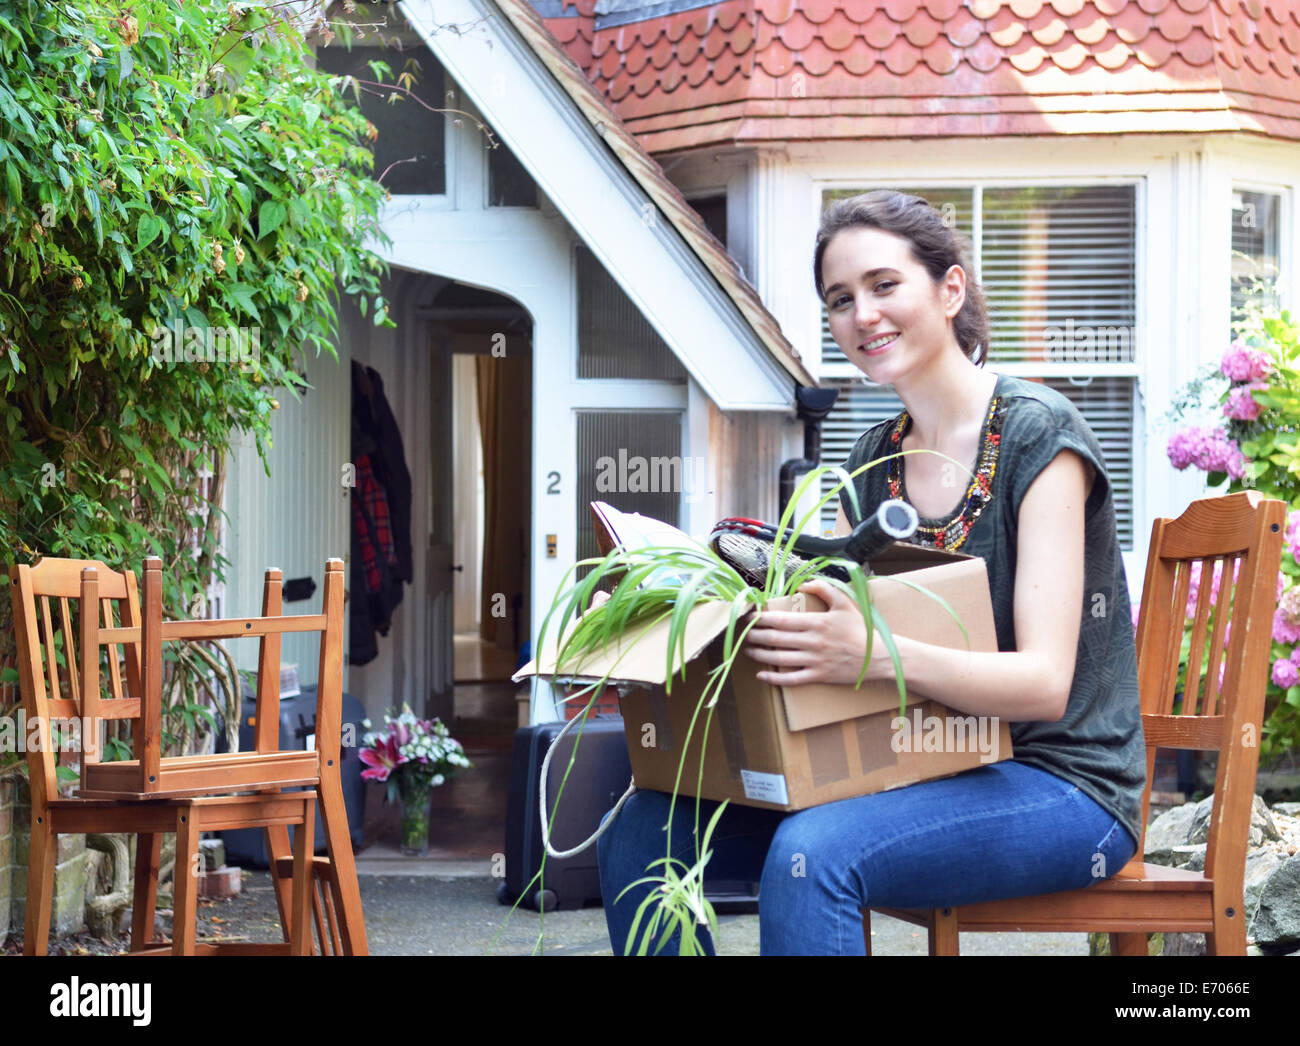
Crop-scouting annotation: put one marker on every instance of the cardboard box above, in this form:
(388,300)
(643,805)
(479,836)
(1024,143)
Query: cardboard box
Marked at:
(790,748)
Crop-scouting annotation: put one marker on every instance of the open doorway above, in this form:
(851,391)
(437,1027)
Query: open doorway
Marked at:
(491,517)
(483,494)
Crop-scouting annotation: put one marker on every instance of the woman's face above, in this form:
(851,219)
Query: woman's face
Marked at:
(886,314)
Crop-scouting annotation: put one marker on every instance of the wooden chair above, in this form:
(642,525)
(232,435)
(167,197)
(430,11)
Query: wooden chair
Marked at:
(1242,532)
(156,793)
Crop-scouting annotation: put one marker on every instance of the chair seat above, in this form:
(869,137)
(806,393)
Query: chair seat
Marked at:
(200,775)
(1140,877)
(1139,897)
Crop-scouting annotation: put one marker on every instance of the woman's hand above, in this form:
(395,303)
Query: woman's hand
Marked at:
(816,648)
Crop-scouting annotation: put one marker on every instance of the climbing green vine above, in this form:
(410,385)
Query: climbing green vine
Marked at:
(184,199)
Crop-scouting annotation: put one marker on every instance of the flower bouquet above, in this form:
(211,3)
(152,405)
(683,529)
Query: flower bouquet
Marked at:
(413,756)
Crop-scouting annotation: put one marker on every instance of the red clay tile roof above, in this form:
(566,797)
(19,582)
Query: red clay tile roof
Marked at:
(748,71)
(650,176)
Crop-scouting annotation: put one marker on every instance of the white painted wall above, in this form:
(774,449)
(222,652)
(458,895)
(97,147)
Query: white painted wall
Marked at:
(296,518)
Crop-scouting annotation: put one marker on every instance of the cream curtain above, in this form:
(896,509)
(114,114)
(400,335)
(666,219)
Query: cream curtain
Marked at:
(504,413)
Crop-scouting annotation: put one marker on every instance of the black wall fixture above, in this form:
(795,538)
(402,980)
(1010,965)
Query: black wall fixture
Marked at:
(298,588)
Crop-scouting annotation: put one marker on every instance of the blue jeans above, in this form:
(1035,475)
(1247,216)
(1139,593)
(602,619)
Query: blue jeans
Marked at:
(993,832)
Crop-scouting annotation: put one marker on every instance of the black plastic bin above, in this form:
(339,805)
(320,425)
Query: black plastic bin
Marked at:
(246,847)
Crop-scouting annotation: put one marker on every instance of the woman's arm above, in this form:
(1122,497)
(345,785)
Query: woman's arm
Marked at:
(1028,684)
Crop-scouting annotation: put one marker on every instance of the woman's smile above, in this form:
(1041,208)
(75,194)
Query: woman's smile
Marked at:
(879,343)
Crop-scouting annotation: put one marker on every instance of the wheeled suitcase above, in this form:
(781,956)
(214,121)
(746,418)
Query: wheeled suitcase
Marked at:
(600,775)
(246,847)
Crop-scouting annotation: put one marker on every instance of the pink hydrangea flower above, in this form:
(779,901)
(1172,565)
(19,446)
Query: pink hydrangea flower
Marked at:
(1208,449)
(1241,405)
(1285,673)
(1292,534)
(1242,363)
(1286,619)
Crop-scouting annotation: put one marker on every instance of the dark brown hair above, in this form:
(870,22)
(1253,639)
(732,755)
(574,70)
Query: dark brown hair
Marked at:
(934,244)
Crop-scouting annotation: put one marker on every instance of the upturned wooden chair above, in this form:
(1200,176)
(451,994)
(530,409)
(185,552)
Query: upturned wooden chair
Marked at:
(1243,534)
(150,794)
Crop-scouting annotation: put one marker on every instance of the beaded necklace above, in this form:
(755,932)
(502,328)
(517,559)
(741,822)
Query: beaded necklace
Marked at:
(951,535)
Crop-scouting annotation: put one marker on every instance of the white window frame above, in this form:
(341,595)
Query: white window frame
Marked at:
(1285,246)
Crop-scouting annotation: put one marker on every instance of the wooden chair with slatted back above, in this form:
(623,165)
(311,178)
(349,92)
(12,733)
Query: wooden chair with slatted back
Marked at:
(336,897)
(59,671)
(1242,534)
(150,792)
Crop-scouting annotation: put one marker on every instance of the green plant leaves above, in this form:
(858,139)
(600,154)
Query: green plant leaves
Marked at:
(148,230)
(130,203)
(270,216)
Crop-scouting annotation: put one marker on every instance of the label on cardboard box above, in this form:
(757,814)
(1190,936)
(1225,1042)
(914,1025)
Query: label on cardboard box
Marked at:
(766,788)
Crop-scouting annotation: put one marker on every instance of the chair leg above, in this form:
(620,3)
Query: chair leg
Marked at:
(347,892)
(278,850)
(943,932)
(185,882)
(1128,944)
(866,930)
(148,855)
(43,853)
(318,916)
(304,837)
(1229,936)
(327,902)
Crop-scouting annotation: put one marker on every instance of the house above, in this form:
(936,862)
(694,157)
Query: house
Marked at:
(567,325)
(1122,167)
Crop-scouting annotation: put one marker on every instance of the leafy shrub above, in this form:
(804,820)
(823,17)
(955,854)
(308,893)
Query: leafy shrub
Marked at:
(172,174)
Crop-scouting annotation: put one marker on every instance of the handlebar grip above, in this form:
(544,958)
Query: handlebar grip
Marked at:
(893,520)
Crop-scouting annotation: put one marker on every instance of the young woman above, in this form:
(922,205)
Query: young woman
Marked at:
(1032,498)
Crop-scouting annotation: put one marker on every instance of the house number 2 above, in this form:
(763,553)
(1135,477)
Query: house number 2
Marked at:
(553,483)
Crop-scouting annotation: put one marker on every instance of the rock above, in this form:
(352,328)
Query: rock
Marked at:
(1185,944)
(1168,830)
(1191,857)
(1277,920)
(1261,823)
(1289,809)
(1260,866)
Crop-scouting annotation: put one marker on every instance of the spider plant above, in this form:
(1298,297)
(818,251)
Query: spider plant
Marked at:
(667,583)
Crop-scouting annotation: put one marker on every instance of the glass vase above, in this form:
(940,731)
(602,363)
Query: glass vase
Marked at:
(415,822)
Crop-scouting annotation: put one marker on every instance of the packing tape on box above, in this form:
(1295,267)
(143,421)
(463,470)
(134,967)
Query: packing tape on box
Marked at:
(728,714)
(659,717)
